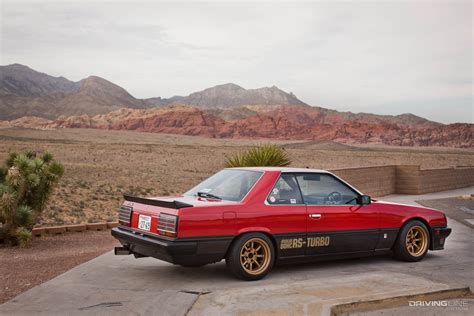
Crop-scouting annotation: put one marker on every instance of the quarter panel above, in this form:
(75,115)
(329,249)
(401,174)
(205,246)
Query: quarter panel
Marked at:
(227,219)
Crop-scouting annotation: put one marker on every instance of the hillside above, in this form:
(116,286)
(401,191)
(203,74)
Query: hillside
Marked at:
(26,92)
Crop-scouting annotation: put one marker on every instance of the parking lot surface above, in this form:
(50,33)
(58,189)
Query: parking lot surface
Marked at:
(112,284)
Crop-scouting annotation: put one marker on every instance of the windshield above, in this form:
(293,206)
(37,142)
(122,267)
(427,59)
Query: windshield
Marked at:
(228,184)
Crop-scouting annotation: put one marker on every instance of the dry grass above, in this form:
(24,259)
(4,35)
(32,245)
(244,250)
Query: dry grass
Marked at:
(102,165)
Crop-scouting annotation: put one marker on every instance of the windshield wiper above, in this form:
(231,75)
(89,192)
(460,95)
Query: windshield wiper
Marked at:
(208,195)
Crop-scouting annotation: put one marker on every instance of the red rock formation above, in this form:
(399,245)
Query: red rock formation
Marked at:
(281,122)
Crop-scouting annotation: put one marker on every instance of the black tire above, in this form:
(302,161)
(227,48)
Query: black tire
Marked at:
(241,257)
(405,247)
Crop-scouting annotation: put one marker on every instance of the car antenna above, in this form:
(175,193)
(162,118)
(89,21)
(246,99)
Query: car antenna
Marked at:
(292,157)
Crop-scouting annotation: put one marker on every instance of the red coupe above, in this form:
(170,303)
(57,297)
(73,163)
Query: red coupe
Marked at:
(254,217)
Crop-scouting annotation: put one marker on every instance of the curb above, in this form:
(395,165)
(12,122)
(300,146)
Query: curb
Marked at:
(398,301)
(97,226)
(76,228)
(58,230)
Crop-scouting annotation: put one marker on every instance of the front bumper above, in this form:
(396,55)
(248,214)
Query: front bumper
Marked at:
(438,237)
(194,251)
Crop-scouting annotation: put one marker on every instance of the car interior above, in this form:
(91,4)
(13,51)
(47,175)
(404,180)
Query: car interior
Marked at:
(312,189)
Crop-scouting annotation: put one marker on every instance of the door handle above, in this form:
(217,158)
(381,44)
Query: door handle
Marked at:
(315,216)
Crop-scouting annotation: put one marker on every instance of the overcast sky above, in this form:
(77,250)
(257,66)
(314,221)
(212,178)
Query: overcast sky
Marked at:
(386,57)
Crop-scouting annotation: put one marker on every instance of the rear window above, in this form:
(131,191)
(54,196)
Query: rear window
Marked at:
(228,184)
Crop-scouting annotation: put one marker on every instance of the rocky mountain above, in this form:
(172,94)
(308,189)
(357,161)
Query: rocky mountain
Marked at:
(26,92)
(231,95)
(20,80)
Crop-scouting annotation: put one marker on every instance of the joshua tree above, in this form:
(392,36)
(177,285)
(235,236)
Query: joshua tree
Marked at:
(264,155)
(26,183)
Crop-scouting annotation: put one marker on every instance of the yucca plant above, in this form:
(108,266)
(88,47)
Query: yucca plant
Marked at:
(23,235)
(259,156)
(26,183)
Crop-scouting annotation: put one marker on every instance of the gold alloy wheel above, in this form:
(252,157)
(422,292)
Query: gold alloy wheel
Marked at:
(255,256)
(416,241)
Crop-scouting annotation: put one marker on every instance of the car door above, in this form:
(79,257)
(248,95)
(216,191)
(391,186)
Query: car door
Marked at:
(336,223)
(288,216)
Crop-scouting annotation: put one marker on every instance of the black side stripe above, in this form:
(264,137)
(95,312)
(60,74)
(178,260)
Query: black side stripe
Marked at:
(355,231)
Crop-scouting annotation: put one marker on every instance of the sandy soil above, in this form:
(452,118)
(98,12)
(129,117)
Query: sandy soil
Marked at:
(102,165)
(24,268)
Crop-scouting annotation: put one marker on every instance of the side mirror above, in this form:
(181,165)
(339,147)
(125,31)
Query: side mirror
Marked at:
(365,200)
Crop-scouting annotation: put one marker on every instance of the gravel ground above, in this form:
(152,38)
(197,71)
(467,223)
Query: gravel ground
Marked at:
(47,257)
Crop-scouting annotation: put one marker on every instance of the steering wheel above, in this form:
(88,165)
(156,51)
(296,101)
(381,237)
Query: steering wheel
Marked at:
(334,198)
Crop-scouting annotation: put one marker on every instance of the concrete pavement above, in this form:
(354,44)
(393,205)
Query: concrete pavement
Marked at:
(410,199)
(124,285)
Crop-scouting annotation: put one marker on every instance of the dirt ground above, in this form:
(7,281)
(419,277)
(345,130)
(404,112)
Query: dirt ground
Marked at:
(102,165)
(47,257)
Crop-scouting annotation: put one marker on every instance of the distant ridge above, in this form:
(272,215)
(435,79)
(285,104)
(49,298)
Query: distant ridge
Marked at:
(232,95)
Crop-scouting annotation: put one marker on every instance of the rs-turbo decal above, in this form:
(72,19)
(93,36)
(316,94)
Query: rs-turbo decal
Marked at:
(293,243)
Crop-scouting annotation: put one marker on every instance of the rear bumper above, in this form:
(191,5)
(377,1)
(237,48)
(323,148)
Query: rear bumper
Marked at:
(189,251)
(438,237)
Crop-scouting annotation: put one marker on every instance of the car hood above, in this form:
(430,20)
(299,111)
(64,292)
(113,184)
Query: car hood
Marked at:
(401,205)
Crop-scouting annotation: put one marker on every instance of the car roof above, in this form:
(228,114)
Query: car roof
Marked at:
(281,169)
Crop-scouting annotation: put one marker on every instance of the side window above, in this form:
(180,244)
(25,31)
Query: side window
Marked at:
(285,191)
(324,189)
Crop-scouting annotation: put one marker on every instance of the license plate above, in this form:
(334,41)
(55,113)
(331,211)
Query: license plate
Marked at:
(144,222)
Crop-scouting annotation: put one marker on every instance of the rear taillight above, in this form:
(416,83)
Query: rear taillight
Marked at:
(167,225)
(125,215)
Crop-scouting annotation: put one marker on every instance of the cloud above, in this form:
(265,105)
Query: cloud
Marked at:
(384,57)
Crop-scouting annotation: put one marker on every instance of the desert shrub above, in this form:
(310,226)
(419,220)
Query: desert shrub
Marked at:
(25,188)
(259,156)
(24,236)
(24,216)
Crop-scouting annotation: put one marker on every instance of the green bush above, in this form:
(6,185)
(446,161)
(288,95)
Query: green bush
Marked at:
(26,183)
(259,156)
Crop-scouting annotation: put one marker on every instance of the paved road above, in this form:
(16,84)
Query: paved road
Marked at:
(124,285)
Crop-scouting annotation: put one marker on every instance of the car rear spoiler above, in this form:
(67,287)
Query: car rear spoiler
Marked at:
(168,204)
